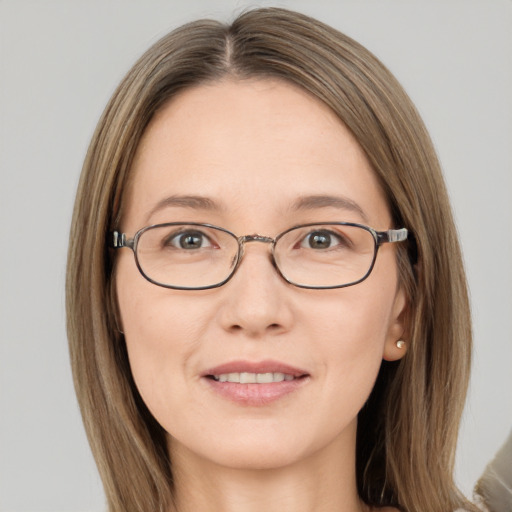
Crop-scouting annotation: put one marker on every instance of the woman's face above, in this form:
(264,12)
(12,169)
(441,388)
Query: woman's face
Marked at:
(256,156)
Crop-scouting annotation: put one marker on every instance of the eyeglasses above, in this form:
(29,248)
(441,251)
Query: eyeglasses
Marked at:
(196,256)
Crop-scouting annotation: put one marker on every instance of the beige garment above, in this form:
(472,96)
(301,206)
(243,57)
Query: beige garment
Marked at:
(494,489)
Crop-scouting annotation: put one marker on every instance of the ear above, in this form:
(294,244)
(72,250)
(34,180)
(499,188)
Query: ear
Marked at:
(397,328)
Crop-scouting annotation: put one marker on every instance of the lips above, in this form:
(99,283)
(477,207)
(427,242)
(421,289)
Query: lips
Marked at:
(253,378)
(261,367)
(255,383)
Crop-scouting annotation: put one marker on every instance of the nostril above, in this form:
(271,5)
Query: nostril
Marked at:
(274,327)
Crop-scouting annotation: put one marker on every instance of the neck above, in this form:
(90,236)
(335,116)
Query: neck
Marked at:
(324,481)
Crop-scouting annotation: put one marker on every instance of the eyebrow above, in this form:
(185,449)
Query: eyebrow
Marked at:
(192,202)
(303,203)
(326,201)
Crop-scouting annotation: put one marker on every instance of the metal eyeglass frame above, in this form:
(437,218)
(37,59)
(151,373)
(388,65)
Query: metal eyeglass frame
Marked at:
(119,240)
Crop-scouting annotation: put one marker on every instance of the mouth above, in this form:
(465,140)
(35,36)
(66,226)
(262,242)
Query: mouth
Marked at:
(255,384)
(253,378)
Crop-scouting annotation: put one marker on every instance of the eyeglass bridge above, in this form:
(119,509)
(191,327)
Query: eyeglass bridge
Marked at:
(256,238)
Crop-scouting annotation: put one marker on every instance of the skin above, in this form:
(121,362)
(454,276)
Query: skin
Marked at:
(254,147)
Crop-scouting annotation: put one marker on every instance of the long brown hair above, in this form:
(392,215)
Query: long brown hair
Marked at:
(407,431)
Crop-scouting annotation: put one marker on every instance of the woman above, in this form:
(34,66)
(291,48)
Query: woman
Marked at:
(290,329)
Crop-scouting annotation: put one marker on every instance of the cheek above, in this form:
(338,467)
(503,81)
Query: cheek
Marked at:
(354,321)
(350,335)
(161,334)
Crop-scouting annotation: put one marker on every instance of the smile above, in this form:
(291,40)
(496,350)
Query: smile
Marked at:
(253,378)
(255,383)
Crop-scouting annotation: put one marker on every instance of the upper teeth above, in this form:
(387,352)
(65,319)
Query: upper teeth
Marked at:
(253,378)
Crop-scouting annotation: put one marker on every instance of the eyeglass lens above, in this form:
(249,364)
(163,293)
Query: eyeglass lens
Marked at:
(198,256)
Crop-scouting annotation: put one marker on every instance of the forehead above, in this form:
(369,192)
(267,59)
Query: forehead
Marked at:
(248,146)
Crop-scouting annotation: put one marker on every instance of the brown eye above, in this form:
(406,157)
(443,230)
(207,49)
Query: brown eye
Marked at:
(321,240)
(188,240)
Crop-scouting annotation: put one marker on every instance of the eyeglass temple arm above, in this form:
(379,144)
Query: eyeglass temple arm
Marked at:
(392,235)
(119,240)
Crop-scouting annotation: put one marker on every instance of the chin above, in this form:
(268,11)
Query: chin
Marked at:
(256,458)
(251,452)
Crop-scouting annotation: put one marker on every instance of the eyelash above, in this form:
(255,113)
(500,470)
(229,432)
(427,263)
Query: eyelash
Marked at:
(168,241)
(333,237)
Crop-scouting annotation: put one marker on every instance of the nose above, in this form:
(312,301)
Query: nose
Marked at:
(256,298)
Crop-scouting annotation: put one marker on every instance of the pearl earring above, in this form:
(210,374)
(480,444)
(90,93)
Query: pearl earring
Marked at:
(400,344)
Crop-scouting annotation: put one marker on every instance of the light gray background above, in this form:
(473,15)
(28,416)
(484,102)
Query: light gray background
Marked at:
(60,61)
